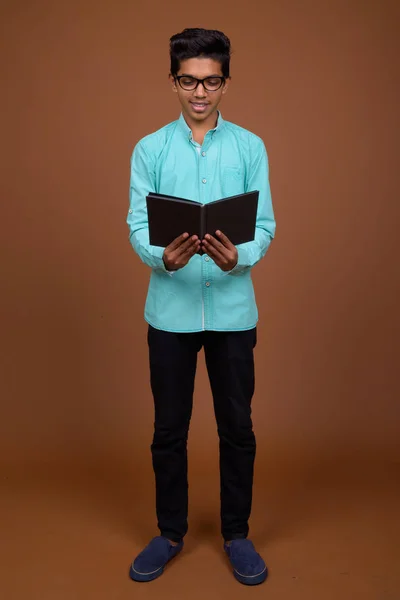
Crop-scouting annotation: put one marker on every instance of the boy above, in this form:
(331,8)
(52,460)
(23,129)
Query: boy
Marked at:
(197,301)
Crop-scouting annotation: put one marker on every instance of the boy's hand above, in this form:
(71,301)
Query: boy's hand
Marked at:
(223,252)
(180,251)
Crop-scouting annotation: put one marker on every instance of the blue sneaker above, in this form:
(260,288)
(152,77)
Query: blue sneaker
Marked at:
(150,563)
(248,566)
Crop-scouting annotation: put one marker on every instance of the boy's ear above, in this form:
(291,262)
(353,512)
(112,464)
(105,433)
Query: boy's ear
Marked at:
(173,82)
(226,85)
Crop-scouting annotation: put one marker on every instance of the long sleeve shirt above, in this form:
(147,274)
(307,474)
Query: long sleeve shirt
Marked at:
(231,160)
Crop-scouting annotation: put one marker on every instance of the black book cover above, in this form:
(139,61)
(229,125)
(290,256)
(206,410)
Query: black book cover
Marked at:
(170,216)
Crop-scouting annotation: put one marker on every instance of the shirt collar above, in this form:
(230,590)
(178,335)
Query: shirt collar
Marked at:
(188,132)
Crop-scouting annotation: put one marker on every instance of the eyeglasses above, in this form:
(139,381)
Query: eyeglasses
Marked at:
(211,84)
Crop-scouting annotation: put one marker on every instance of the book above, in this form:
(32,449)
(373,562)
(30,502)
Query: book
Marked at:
(170,216)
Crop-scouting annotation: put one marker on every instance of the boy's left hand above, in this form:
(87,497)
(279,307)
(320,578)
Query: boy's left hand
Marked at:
(221,250)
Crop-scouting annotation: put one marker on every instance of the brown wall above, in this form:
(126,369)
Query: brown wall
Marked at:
(81,83)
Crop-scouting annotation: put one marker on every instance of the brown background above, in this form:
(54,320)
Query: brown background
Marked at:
(81,84)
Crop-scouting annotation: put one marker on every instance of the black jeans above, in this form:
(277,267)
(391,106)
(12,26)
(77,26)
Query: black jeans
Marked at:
(230,366)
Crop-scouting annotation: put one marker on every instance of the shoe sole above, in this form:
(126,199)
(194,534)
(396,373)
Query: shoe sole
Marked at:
(251,579)
(145,577)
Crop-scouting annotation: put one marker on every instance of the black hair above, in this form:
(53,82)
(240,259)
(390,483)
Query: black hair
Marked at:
(197,42)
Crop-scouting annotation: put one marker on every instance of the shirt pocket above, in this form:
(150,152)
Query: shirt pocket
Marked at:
(232,180)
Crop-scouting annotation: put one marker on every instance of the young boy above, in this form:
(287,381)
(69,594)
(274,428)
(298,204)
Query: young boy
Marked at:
(199,301)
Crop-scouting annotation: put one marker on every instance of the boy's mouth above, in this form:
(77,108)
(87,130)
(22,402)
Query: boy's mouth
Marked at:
(199,106)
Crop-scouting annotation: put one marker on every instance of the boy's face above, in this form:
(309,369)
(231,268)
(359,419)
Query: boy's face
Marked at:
(200,103)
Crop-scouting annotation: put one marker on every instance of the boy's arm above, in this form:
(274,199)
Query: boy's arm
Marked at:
(142,181)
(252,252)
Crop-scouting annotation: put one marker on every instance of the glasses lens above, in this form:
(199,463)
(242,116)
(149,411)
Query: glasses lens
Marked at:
(213,83)
(188,83)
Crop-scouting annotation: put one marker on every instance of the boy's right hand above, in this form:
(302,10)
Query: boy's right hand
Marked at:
(180,251)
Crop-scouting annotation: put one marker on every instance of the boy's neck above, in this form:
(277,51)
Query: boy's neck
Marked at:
(199,129)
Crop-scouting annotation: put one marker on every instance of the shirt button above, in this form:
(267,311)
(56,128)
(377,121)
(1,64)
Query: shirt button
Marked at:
(130,210)
(204,180)
(207,283)
(203,153)
(207,258)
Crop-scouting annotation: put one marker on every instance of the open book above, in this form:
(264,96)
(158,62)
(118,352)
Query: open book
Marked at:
(170,216)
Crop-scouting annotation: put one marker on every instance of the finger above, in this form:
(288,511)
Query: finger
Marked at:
(224,239)
(183,247)
(214,253)
(215,243)
(185,256)
(178,241)
(186,245)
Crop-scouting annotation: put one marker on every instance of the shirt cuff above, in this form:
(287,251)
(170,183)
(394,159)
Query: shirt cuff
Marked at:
(242,263)
(164,268)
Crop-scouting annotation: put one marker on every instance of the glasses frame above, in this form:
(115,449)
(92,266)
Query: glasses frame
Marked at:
(220,77)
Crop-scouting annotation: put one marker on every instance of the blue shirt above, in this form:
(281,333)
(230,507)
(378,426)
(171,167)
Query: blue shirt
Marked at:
(231,160)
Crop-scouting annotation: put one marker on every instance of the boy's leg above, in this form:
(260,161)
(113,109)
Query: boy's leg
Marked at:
(230,364)
(173,359)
